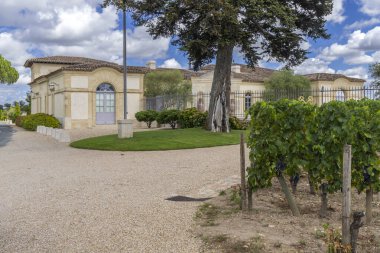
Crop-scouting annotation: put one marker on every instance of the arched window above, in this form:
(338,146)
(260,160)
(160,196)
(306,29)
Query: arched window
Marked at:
(105,87)
(247,100)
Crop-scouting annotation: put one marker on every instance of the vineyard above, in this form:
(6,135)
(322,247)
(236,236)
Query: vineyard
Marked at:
(289,138)
(296,143)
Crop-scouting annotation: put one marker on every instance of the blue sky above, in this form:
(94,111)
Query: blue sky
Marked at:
(35,28)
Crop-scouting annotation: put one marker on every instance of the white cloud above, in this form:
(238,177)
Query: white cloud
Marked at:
(362,24)
(358,72)
(370,7)
(313,65)
(357,50)
(171,63)
(70,27)
(337,13)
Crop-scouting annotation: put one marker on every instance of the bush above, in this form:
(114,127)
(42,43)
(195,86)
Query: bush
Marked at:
(19,121)
(238,124)
(31,122)
(168,117)
(191,117)
(146,116)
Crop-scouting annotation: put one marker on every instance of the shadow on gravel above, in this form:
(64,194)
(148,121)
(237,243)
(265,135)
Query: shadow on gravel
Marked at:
(6,133)
(186,199)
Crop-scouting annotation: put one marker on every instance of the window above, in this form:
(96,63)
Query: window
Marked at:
(247,100)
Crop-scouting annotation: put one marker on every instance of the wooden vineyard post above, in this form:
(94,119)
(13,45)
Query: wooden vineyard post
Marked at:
(242,174)
(346,208)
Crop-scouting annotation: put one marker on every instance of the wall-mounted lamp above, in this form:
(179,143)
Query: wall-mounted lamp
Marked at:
(52,86)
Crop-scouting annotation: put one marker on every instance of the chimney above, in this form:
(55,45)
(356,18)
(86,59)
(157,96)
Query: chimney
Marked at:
(235,68)
(151,64)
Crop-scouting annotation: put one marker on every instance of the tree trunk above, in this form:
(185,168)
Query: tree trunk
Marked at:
(311,186)
(219,108)
(294,182)
(368,206)
(288,195)
(250,199)
(323,211)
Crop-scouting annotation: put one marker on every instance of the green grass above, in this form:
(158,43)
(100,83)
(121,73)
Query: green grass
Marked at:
(161,140)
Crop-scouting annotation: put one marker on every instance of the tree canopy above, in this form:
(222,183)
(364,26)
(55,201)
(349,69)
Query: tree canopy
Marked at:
(166,82)
(374,70)
(8,74)
(286,80)
(208,30)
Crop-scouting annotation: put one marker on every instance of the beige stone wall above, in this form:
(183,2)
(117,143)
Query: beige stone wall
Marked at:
(74,98)
(40,69)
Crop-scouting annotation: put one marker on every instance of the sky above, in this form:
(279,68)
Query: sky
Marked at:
(37,28)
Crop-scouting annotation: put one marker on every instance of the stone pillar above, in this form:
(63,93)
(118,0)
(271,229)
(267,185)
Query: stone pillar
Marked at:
(125,128)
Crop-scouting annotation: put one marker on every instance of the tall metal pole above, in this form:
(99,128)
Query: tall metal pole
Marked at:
(125,58)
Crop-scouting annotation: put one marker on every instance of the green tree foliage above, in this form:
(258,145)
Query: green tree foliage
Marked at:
(14,112)
(31,122)
(8,74)
(168,117)
(166,83)
(191,117)
(284,84)
(374,70)
(212,29)
(146,116)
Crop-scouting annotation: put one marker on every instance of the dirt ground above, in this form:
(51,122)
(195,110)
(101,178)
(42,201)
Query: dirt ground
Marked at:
(270,227)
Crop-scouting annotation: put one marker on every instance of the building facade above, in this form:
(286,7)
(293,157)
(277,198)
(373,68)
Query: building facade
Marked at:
(85,93)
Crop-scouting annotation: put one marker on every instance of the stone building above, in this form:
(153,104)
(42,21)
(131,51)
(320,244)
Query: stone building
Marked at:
(247,87)
(84,93)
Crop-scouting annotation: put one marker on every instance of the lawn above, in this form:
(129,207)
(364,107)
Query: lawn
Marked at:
(161,140)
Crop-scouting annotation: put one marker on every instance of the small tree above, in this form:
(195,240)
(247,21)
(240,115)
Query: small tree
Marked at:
(14,112)
(8,74)
(374,71)
(146,116)
(284,84)
(166,82)
(168,117)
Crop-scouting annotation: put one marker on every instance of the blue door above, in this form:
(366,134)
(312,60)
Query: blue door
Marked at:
(105,104)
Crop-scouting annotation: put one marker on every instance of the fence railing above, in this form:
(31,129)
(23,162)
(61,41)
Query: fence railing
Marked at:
(240,101)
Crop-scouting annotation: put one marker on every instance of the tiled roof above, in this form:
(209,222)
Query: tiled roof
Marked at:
(330,77)
(70,60)
(258,74)
(86,64)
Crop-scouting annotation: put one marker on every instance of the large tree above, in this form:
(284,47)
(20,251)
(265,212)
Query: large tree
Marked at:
(8,74)
(260,29)
(374,71)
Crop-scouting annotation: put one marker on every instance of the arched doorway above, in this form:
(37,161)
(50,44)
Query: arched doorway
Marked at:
(105,104)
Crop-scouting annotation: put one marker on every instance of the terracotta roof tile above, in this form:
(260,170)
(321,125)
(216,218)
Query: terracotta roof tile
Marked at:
(330,77)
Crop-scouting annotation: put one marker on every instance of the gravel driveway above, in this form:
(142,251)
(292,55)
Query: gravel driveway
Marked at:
(54,198)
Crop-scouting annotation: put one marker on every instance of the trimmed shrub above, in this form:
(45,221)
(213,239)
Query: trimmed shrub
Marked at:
(19,121)
(191,117)
(146,116)
(168,117)
(31,122)
(238,124)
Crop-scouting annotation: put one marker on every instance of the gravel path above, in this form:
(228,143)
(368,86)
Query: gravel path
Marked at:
(57,199)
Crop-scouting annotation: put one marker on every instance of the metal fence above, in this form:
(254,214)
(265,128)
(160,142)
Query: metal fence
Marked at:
(240,101)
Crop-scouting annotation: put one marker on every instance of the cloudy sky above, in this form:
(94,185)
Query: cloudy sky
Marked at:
(35,28)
